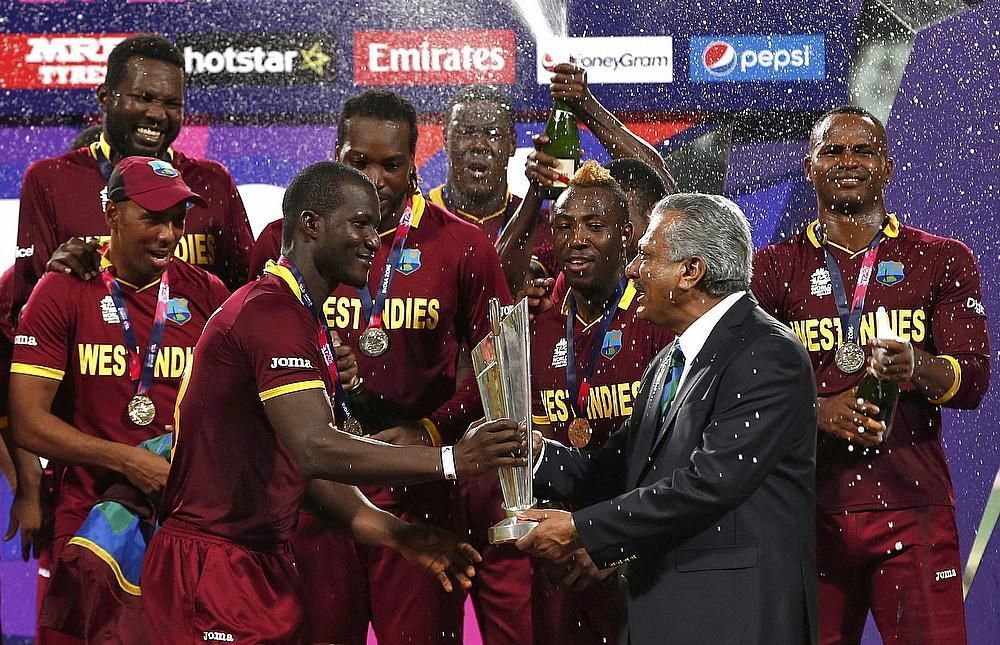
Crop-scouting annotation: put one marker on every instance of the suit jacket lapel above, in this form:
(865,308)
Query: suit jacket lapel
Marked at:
(716,341)
(650,415)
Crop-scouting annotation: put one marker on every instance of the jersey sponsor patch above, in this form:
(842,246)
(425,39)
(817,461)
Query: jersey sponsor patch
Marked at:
(819,284)
(178,310)
(975,305)
(890,273)
(612,343)
(217,637)
(409,261)
(24,252)
(109,313)
(25,339)
(291,363)
(559,354)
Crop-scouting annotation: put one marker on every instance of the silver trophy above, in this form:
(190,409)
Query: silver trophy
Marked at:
(502,362)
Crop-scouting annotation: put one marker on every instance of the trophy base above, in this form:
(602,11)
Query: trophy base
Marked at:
(510,530)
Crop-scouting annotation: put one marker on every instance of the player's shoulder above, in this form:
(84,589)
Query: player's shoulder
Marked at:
(923,240)
(195,276)
(272,230)
(193,166)
(53,167)
(452,225)
(64,291)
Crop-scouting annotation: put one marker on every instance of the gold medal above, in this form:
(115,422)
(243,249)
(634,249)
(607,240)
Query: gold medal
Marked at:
(580,432)
(353,426)
(373,342)
(849,358)
(141,410)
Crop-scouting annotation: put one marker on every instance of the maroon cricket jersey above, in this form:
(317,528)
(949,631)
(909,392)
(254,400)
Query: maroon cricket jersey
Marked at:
(231,476)
(930,287)
(64,196)
(626,350)
(266,249)
(542,253)
(438,299)
(70,331)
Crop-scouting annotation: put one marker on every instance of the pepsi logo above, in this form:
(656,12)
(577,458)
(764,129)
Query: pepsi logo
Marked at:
(719,58)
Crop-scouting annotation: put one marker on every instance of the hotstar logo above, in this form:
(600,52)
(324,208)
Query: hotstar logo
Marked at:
(256,59)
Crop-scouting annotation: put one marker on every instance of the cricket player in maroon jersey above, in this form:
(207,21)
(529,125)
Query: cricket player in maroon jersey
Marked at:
(97,363)
(580,403)
(886,535)
(255,427)
(479,140)
(62,198)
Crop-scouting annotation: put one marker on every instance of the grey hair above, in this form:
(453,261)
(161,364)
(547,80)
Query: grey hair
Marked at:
(714,229)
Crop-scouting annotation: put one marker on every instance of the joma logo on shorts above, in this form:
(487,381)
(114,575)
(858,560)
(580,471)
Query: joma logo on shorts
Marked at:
(944,575)
(223,637)
(291,362)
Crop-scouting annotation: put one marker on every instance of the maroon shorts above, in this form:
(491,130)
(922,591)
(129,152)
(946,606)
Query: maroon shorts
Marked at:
(201,588)
(46,564)
(501,590)
(594,616)
(902,565)
(347,585)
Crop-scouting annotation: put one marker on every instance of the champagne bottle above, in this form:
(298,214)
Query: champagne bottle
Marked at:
(564,145)
(881,393)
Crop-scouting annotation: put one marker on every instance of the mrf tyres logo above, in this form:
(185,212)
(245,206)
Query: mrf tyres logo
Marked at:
(258,59)
(631,59)
(53,61)
(434,57)
(734,59)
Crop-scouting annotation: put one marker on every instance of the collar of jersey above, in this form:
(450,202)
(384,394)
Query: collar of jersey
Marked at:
(106,264)
(105,147)
(623,303)
(419,205)
(285,274)
(437,196)
(891,229)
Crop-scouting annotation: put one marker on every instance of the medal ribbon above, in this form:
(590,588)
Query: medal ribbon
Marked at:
(141,374)
(580,389)
(373,309)
(103,164)
(323,339)
(850,317)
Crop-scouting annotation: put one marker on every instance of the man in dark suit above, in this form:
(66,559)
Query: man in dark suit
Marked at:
(706,494)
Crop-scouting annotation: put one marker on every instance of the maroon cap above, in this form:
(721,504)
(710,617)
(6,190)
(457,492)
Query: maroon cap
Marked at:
(151,183)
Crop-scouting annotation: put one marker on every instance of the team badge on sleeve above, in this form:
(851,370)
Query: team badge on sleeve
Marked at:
(409,261)
(178,311)
(612,343)
(889,273)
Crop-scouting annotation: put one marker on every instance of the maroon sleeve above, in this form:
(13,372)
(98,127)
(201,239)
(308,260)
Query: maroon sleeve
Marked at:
(239,239)
(267,247)
(44,333)
(36,237)
(282,363)
(6,303)
(958,323)
(217,292)
(765,277)
(479,279)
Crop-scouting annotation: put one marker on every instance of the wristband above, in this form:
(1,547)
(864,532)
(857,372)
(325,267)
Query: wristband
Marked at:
(448,462)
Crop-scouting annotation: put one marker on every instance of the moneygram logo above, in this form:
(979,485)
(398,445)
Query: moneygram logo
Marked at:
(434,57)
(715,59)
(50,61)
(257,59)
(612,59)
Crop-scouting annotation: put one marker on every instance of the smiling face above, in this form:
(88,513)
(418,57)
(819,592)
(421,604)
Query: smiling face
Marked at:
(348,238)
(380,149)
(143,115)
(848,163)
(660,282)
(143,242)
(479,141)
(589,236)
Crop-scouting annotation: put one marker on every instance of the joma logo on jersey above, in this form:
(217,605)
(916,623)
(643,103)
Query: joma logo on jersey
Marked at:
(221,637)
(24,339)
(944,575)
(400,313)
(112,360)
(291,362)
(605,402)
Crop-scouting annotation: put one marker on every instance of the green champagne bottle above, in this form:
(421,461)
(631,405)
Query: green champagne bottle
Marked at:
(881,393)
(564,145)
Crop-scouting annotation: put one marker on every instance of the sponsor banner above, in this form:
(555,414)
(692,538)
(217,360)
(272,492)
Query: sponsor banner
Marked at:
(55,61)
(734,59)
(429,57)
(258,59)
(627,59)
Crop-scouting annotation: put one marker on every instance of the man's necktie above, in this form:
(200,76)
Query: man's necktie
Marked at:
(673,380)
